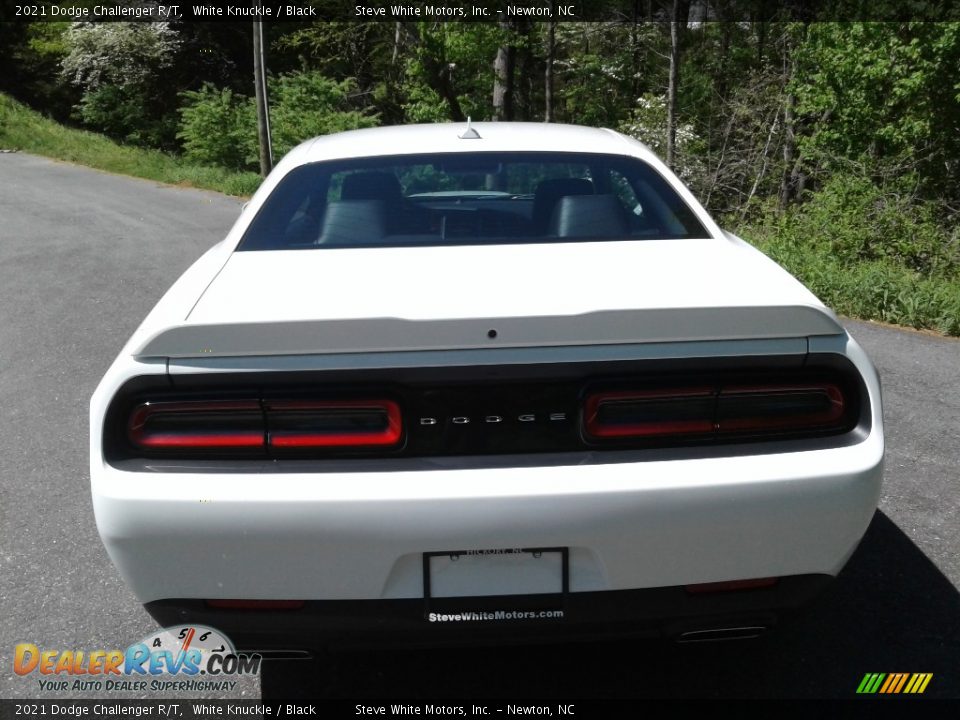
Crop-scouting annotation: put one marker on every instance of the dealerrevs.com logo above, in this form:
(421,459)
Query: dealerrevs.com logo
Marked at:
(181,658)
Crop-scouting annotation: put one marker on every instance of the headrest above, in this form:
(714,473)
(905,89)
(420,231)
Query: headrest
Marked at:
(352,222)
(588,216)
(549,191)
(371,186)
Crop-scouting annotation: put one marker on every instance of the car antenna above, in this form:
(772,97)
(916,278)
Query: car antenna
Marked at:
(470,133)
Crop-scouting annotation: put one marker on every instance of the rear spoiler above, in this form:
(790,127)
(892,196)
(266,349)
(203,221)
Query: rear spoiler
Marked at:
(374,335)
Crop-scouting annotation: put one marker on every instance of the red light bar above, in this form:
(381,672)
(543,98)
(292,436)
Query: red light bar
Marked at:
(202,425)
(333,423)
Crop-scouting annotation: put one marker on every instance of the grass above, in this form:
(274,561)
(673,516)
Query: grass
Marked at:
(24,129)
(870,290)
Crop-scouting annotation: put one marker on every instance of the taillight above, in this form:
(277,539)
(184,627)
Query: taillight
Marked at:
(718,411)
(244,426)
(649,413)
(778,407)
(203,425)
(332,423)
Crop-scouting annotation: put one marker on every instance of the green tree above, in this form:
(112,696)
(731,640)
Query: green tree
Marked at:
(218,127)
(120,68)
(884,95)
(307,104)
(35,52)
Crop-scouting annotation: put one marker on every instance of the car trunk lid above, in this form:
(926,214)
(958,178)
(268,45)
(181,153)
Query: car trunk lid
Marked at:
(302,302)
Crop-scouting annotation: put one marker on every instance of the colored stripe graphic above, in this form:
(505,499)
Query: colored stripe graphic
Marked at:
(870,683)
(894,683)
(891,680)
(922,682)
(903,679)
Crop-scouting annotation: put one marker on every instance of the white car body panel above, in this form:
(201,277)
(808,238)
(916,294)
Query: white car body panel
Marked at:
(654,291)
(216,547)
(358,534)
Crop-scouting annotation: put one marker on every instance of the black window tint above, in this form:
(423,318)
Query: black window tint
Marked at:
(470,199)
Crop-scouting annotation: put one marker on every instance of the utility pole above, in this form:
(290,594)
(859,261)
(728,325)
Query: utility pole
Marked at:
(263,109)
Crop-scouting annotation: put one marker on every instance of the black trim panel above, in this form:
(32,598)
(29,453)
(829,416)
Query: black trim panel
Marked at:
(655,612)
(510,392)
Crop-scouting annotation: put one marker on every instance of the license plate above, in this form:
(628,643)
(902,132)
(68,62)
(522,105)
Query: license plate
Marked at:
(479,573)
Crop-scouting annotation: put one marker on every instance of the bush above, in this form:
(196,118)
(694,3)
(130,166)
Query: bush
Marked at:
(218,127)
(855,219)
(307,104)
(871,289)
(123,112)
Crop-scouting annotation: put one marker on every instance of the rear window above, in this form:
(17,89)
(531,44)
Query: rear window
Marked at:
(470,199)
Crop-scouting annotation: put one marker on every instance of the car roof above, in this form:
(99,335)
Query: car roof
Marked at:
(446,138)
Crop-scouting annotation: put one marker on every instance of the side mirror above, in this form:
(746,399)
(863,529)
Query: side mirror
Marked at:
(244,207)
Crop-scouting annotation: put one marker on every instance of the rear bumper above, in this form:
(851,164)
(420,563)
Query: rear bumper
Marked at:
(362,535)
(350,541)
(655,612)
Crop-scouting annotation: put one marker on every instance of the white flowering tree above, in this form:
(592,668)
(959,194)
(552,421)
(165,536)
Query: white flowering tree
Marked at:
(118,53)
(647,123)
(120,67)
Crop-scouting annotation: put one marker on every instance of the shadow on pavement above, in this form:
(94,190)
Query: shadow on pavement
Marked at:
(891,610)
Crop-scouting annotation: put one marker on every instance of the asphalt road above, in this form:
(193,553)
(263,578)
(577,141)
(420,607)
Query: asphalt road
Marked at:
(84,255)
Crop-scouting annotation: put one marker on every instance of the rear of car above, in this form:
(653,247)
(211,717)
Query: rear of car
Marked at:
(482,388)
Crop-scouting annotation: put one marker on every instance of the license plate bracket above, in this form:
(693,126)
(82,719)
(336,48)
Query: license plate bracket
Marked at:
(496,572)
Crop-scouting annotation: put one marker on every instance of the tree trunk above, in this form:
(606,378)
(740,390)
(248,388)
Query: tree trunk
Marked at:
(761,42)
(503,78)
(673,82)
(635,52)
(548,72)
(524,75)
(259,88)
(788,187)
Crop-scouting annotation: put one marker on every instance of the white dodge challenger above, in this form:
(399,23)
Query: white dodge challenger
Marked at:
(450,383)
